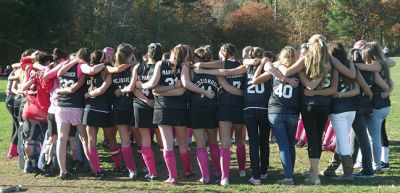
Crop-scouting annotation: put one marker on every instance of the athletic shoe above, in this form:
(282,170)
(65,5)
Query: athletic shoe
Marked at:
(285,181)
(385,166)
(150,177)
(224,182)
(132,175)
(263,176)
(339,171)
(205,181)
(98,175)
(242,173)
(312,181)
(357,165)
(255,182)
(28,167)
(171,181)
(306,174)
(64,176)
(363,176)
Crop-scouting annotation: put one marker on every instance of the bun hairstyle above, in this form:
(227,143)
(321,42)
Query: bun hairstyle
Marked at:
(124,54)
(256,52)
(59,54)
(83,54)
(372,52)
(316,61)
(166,56)
(287,56)
(269,55)
(154,51)
(203,54)
(27,52)
(97,57)
(229,50)
(42,58)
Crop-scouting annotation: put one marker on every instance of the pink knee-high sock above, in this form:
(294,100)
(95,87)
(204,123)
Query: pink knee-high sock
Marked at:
(148,157)
(139,151)
(329,133)
(185,157)
(202,159)
(300,128)
(225,162)
(94,159)
(241,156)
(189,132)
(170,161)
(128,158)
(116,156)
(214,152)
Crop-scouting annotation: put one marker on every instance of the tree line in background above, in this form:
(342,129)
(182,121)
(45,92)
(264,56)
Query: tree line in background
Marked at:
(71,24)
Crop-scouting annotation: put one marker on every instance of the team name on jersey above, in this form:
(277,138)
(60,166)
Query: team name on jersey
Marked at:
(169,72)
(121,80)
(145,77)
(206,81)
(70,74)
(236,76)
(250,76)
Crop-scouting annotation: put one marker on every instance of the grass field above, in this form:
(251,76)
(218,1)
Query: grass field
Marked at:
(387,182)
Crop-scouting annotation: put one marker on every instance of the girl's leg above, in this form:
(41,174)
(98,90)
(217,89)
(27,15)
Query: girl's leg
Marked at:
(169,154)
(201,153)
(212,135)
(62,138)
(225,137)
(147,151)
(138,140)
(240,148)
(111,134)
(159,140)
(125,134)
(93,152)
(185,155)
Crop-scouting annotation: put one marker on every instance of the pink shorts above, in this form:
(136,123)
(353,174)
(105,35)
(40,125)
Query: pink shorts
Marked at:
(69,115)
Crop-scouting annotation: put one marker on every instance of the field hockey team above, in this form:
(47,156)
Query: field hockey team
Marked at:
(325,98)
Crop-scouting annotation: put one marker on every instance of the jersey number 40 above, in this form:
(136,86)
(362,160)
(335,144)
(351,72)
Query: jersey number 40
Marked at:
(284,91)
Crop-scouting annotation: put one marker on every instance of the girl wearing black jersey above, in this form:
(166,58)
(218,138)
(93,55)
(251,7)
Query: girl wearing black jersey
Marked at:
(202,110)
(372,54)
(170,109)
(143,107)
(343,112)
(123,103)
(230,110)
(97,111)
(320,80)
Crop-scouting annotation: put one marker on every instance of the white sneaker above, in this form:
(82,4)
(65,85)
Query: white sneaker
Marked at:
(242,173)
(357,165)
(263,176)
(225,182)
(339,171)
(255,182)
(132,174)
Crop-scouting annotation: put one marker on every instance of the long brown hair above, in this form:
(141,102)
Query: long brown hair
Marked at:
(372,52)
(124,54)
(203,54)
(337,50)
(179,56)
(316,61)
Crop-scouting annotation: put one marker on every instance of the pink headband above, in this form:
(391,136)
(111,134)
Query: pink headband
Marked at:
(108,52)
(359,44)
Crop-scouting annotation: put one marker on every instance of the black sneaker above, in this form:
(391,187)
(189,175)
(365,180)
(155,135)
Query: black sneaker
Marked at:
(98,175)
(105,144)
(385,166)
(150,177)
(363,175)
(65,176)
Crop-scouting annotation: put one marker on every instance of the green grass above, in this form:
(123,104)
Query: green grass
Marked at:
(387,182)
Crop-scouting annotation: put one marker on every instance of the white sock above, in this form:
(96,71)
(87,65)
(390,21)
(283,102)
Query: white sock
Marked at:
(385,154)
(359,156)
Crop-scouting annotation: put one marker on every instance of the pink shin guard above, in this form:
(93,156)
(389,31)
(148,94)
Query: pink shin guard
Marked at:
(13,152)
(241,157)
(185,157)
(202,159)
(116,157)
(225,162)
(148,157)
(215,159)
(139,151)
(170,161)
(128,158)
(94,160)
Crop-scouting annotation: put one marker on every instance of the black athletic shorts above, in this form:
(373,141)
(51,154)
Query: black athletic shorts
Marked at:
(230,113)
(203,117)
(97,118)
(144,118)
(171,117)
(121,117)
(31,129)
